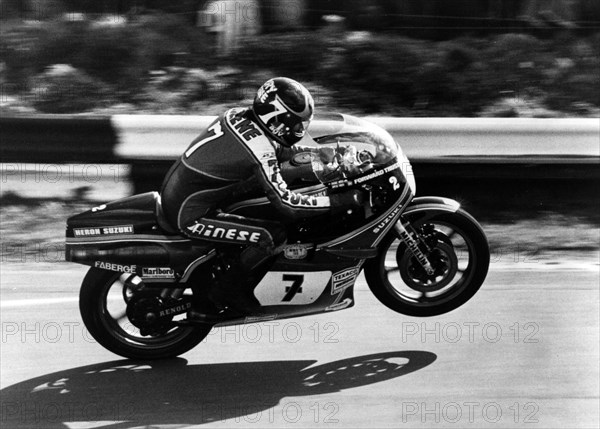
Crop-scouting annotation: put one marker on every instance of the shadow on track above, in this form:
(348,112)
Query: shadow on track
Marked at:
(172,392)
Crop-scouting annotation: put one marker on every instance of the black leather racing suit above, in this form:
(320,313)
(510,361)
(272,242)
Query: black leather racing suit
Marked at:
(234,160)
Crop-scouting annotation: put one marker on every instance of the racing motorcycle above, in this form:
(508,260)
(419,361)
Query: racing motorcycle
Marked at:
(421,256)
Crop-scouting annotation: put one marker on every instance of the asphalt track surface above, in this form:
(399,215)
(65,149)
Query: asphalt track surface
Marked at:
(524,352)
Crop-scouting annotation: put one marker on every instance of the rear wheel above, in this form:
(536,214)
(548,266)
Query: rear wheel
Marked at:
(459,256)
(103,303)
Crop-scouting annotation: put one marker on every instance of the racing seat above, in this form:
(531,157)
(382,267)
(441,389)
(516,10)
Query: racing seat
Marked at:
(161,219)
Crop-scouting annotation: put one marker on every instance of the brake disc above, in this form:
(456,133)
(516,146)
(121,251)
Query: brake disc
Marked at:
(444,262)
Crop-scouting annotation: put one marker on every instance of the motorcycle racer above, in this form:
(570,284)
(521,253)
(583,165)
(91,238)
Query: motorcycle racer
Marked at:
(237,158)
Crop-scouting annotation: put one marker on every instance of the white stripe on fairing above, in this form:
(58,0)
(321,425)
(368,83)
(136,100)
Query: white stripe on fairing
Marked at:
(188,271)
(365,228)
(98,240)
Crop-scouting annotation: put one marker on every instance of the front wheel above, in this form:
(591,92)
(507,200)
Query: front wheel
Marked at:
(459,254)
(103,303)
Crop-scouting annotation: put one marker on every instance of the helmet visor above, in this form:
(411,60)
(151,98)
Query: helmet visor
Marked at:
(300,128)
(305,125)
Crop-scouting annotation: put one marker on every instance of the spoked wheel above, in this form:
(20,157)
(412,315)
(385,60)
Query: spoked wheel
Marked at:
(104,303)
(459,257)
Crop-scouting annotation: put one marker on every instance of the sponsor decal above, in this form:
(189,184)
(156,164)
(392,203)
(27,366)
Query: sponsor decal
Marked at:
(245,127)
(343,279)
(347,182)
(296,251)
(414,248)
(278,130)
(381,225)
(269,156)
(126,229)
(158,273)
(322,193)
(102,230)
(378,173)
(340,305)
(84,232)
(237,234)
(340,184)
(116,267)
(265,90)
(178,309)
(295,199)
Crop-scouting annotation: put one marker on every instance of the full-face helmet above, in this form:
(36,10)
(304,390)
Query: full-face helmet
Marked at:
(284,108)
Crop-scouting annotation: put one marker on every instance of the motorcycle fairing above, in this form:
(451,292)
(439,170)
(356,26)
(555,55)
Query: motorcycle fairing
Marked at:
(293,288)
(369,235)
(329,271)
(333,270)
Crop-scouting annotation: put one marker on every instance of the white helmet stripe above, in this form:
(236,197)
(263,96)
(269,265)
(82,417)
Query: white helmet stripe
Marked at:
(306,113)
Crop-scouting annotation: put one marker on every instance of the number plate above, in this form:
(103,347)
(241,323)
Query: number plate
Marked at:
(287,288)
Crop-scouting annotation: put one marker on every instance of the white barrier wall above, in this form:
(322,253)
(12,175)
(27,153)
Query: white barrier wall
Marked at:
(159,137)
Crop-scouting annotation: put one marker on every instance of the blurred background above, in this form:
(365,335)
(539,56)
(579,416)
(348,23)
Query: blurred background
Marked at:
(533,58)
(410,58)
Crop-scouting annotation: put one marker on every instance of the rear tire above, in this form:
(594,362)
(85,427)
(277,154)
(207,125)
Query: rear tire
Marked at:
(108,329)
(393,291)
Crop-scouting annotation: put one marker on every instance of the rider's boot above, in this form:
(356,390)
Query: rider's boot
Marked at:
(233,290)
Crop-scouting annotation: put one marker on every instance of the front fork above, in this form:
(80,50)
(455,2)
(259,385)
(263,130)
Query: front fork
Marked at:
(416,246)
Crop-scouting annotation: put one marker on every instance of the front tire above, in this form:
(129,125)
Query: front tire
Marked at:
(395,278)
(103,302)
